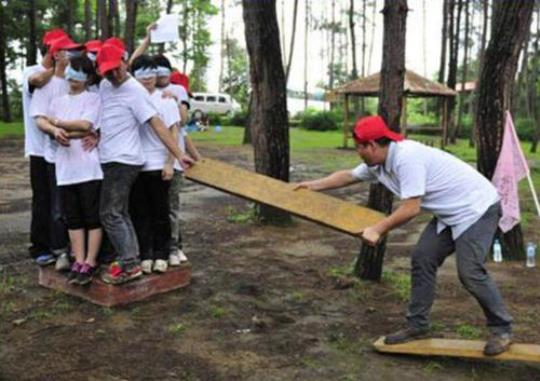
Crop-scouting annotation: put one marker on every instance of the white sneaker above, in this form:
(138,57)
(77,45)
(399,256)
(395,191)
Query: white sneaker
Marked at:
(182,256)
(146,266)
(160,265)
(174,260)
(62,262)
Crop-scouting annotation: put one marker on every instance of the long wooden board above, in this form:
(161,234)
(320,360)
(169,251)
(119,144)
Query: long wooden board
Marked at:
(317,207)
(459,348)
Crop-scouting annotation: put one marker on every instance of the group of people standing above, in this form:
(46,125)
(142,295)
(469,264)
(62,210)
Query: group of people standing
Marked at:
(104,134)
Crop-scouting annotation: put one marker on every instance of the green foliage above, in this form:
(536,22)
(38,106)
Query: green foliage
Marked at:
(319,120)
(236,81)
(218,312)
(468,332)
(177,328)
(239,118)
(401,283)
(525,128)
(240,217)
(214,118)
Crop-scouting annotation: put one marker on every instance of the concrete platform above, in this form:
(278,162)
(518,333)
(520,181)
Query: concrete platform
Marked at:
(108,295)
(459,348)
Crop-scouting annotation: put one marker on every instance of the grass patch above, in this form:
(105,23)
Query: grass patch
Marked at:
(177,328)
(241,217)
(469,332)
(218,312)
(400,283)
(11,130)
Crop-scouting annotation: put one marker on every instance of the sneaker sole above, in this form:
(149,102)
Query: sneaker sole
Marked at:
(419,337)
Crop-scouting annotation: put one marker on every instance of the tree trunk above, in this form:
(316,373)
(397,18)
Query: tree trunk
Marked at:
(70,18)
(291,49)
(354,72)
(444,43)
(268,111)
(453,64)
(6,109)
(31,55)
(370,260)
(463,95)
(110,18)
(306,30)
(184,36)
(372,42)
(247,128)
(87,20)
(222,48)
(103,19)
(332,47)
(532,85)
(131,20)
(510,22)
(363,68)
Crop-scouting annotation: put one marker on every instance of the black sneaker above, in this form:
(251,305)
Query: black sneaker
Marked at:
(74,272)
(86,274)
(497,344)
(406,335)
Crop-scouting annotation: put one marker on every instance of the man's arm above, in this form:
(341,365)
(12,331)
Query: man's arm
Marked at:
(409,209)
(78,134)
(46,126)
(145,44)
(73,125)
(40,79)
(168,168)
(166,137)
(335,180)
(191,149)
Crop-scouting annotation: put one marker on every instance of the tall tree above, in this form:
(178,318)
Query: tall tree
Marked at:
(6,109)
(87,20)
(354,72)
(293,35)
(222,51)
(131,21)
(268,108)
(103,19)
(332,30)
(31,57)
(455,7)
(372,34)
(510,23)
(534,81)
(463,96)
(370,260)
(306,30)
(444,42)
(71,16)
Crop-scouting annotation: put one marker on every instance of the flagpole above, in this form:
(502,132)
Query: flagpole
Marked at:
(533,191)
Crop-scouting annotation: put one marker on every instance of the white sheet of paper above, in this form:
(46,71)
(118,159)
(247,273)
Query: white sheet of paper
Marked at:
(167,29)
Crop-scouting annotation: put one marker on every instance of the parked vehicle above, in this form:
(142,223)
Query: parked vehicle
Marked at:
(219,103)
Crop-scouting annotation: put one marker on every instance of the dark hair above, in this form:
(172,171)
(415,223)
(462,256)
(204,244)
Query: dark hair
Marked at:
(43,49)
(83,64)
(143,61)
(161,60)
(383,142)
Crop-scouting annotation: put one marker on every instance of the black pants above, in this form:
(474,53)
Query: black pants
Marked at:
(80,203)
(41,207)
(149,209)
(58,231)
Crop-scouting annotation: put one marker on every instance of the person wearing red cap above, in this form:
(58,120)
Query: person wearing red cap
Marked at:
(35,77)
(466,210)
(126,106)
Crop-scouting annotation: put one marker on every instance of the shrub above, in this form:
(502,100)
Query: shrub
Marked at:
(525,128)
(239,118)
(319,121)
(214,118)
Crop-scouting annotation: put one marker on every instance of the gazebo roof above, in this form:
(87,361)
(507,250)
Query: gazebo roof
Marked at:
(414,86)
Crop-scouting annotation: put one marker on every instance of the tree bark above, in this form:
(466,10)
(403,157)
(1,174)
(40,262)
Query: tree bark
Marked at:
(103,19)
(6,108)
(510,22)
(532,85)
(70,18)
(268,111)
(453,62)
(31,56)
(463,96)
(293,35)
(222,49)
(370,260)
(131,21)
(372,37)
(444,44)
(354,72)
(87,20)
(306,30)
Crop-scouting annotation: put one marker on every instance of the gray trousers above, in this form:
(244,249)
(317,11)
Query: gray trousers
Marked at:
(471,248)
(174,212)
(118,179)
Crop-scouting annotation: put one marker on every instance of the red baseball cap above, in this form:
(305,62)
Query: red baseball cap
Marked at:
(52,35)
(93,46)
(63,43)
(109,57)
(115,41)
(180,79)
(372,128)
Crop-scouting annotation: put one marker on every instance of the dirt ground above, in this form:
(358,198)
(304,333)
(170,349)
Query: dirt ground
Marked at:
(266,303)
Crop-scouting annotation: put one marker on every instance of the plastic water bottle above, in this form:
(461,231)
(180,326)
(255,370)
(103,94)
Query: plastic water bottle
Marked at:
(531,255)
(217,128)
(497,251)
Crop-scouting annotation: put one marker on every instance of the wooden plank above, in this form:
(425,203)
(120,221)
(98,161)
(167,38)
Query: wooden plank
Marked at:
(109,295)
(314,206)
(459,348)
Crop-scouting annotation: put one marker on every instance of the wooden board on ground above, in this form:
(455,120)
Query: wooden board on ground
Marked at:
(459,348)
(317,207)
(108,295)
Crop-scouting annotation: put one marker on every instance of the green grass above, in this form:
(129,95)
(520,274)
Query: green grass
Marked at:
(469,332)
(177,328)
(400,283)
(11,130)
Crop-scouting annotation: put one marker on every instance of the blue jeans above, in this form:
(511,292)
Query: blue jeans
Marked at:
(471,248)
(118,179)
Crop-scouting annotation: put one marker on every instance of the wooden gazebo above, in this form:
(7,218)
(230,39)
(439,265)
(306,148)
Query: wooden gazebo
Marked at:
(414,86)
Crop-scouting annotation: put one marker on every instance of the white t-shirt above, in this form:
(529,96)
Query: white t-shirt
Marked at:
(154,150)
(123,110)
(74,165)
(179,92)
(182,144)
(34,138)
(40,106)
(451,189)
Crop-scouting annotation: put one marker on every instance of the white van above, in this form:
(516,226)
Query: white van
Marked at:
(219,103)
